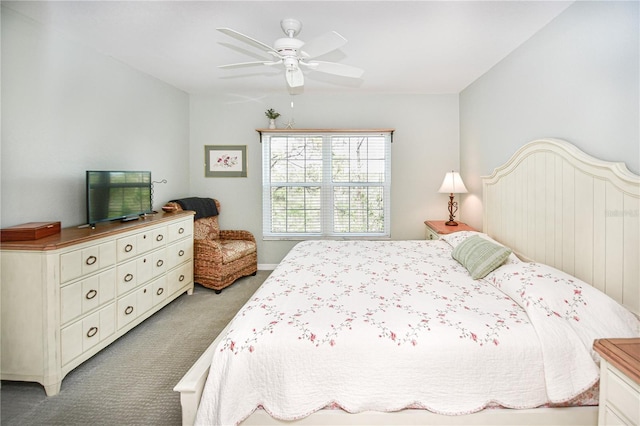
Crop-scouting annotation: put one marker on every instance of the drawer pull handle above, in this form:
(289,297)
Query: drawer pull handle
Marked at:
(128,248)
(159,238)
(159,263)
(91,260)
(181,231)
(160,291)
(181,253)
(181,278)
(128,278)
(92,331)
(91,294)
(128,310)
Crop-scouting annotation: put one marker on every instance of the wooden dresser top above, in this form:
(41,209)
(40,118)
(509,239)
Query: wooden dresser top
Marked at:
(74,235)
(624,354)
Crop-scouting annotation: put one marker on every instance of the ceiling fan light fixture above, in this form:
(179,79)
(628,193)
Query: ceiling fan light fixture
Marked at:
(290,63)
(294,77)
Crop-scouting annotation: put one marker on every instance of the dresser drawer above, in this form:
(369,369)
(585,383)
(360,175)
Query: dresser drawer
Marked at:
(430,234)
(179,252)
(180,230)
(159,237)
(159,262)
(610,418)
(140,270)
(623,396)
(159,290)
(133,245)
(135,304)
(82,335)
(83,296)
(179,277)
(76,263)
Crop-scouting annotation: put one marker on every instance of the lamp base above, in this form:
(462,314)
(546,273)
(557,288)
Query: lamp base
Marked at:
(451,223)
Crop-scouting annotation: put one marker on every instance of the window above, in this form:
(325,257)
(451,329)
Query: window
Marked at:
(326,184)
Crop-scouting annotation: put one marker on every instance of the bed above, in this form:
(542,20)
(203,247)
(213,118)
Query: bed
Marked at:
(399,331)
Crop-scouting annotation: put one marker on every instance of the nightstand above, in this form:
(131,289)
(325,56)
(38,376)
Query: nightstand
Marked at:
(435,228)
(619,381)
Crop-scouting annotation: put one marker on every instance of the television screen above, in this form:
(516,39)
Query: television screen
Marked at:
(115,195)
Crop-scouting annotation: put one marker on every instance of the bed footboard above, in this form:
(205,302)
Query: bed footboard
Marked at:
(192,383)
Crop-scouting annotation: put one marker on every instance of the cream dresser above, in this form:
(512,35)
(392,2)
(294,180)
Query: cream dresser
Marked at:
(619,381)
(67,296)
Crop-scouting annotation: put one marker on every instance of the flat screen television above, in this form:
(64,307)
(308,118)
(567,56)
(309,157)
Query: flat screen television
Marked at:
(117,195)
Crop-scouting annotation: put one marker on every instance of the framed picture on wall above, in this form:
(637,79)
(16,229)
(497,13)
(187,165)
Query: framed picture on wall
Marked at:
(225,161)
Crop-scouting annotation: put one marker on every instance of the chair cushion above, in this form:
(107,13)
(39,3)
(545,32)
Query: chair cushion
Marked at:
(235,249)
(206,228)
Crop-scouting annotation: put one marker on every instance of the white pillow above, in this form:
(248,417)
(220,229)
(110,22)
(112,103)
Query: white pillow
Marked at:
(456,238)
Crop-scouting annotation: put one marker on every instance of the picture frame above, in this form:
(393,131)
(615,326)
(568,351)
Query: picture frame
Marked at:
(225,161)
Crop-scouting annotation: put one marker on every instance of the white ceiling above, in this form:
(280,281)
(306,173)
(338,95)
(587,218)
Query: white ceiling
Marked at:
(427,47)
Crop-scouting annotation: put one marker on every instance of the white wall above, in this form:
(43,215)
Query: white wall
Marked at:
(425,147)
(577,79)
(67,109)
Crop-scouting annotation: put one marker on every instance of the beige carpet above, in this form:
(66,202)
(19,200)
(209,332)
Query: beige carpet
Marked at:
(131,381)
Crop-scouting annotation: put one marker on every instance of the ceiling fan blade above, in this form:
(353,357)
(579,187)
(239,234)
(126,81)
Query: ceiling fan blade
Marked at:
(323,44)
(294,77)
(335,68)
(249,64)
(246,39)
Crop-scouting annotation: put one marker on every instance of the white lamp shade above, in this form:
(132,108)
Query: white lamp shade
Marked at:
(452,184)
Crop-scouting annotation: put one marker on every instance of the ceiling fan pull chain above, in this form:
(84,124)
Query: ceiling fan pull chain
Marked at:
(291,121)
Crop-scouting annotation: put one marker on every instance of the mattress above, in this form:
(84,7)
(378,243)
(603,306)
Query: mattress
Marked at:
(388,325)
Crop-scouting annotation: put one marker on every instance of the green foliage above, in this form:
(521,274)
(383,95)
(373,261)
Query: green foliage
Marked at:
(272,114)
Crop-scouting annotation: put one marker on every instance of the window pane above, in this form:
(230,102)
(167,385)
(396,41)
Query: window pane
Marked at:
(375,199)
(313,171)
(313,221)
(340,170)
(314,148)
(340,220)
(295,171)
(358,221)
(376,221)
(295,209)
(376,171)
(358,171)
(358,209)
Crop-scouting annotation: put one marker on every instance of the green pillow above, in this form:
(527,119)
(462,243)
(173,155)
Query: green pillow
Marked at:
(480,256)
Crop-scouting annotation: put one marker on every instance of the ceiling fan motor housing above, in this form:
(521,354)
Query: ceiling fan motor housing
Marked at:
(288,46)
(291,26)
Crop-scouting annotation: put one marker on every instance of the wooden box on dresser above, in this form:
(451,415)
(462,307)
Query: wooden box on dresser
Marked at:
(67,296)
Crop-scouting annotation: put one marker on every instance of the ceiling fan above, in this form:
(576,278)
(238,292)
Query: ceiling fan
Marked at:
(295,54)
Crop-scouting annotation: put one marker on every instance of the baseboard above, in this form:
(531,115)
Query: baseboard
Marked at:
(267,266)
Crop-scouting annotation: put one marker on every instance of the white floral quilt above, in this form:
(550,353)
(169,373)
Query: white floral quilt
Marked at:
(370,325)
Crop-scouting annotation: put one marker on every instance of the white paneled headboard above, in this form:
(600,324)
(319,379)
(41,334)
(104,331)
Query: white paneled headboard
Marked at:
(555,204)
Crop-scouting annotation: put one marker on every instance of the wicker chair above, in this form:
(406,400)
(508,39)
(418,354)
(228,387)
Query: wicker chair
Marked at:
(221,256)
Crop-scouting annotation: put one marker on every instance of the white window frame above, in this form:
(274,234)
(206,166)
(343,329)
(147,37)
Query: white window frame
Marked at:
(327,202)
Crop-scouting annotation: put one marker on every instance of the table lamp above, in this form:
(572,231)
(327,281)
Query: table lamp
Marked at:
(452,184)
